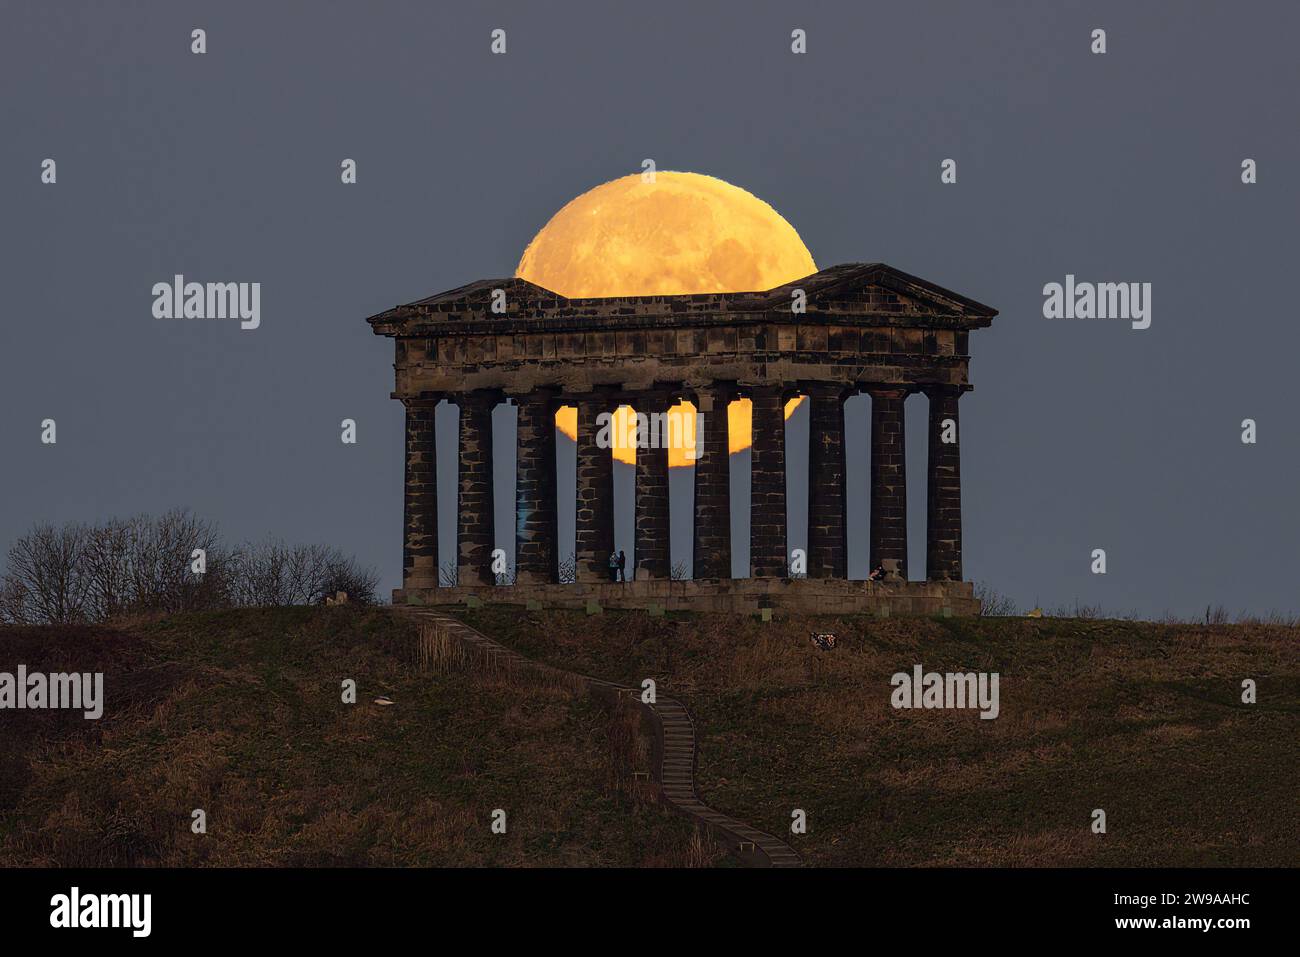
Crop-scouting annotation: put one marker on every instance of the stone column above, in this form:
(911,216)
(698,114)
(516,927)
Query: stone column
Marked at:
(474,510)
(767,533)
(595,503)
(827,541)
(943,499)
(888,478)
(420,497)
(712,550)
(653,552)
(535,496)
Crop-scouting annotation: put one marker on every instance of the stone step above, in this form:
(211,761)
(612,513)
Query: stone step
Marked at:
(677,769)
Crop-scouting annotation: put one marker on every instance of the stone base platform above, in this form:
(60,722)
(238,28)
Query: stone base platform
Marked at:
(735,596)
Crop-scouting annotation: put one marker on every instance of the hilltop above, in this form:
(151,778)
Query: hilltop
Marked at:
(240,713)
(1144,721)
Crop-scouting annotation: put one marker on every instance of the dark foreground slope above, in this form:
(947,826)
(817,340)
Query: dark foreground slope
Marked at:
(240,714)
(1142,721)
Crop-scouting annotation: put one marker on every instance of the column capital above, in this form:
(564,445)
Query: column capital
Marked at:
(605,398)
(680,393)
(478,397)
(653,399)
(945,389)
(422,399)
(711,393)
(891,391)
(547,399)
(827,388)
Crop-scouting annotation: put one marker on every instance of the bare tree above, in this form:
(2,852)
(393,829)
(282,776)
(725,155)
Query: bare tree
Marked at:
(45,580)
(343,573)
(160,555)
(14,605)
(109,576)
(994,604)
(260,574)
(305,573)
(273,573)
(78,573)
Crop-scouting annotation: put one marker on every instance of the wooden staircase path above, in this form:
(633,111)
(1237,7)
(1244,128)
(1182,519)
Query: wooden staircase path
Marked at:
(674,728)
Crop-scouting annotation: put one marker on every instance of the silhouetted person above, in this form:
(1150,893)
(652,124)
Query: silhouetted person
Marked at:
(613,566)
(622,567)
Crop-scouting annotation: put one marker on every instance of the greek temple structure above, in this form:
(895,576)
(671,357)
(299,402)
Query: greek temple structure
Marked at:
(859,327)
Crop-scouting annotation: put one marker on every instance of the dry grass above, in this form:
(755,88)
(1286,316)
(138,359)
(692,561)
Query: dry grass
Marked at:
(1142,720)
(240,713)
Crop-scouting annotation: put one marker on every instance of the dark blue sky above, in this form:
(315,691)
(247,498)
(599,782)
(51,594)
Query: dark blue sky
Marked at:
(225,167)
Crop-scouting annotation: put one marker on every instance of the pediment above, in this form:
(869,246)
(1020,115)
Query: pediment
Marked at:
(877,288)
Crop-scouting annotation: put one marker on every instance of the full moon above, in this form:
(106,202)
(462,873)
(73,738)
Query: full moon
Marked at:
(680,233)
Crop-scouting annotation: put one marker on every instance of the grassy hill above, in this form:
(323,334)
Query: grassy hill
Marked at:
(240,713)
(1144,721)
